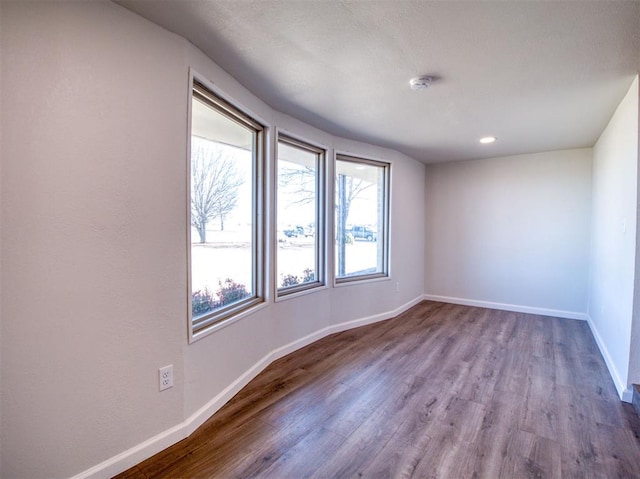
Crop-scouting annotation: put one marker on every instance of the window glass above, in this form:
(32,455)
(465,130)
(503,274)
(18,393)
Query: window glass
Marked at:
(361,219)
(225,151)
(300,235)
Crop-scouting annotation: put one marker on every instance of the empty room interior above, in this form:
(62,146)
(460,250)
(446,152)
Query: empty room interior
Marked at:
(334,238)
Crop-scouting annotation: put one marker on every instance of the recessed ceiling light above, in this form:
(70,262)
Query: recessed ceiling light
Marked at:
(488,139)
(420,83)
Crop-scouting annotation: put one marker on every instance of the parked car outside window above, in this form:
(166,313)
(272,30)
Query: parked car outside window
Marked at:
(363,233)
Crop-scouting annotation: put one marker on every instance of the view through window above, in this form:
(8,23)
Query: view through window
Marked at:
(225,148)
(361,219)
(300,235)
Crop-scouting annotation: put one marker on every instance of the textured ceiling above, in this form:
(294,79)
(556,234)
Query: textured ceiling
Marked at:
(538,75)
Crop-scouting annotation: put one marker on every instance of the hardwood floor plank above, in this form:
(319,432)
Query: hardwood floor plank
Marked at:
(133,473)
(357,449)
(617,461)
(442,458)
(576,431)
(440,391)
(461,420)
(396,461)
(540,408)
(301,461)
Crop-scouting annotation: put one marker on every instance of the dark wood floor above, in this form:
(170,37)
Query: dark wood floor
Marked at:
(441,391)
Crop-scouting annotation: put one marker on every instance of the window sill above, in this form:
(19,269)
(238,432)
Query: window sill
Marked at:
(356,281)
(302,292)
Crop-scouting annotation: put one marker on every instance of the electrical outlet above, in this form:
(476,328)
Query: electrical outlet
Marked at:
(397,286)
(166,377)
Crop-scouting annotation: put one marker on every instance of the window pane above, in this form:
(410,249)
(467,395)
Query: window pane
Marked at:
(361,218)
(299,235)
(223,211)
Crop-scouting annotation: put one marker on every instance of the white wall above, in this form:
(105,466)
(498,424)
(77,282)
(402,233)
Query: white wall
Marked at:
(511,232)
(93,244)
(613,250)
(1,222)
(93,238)
(634,358)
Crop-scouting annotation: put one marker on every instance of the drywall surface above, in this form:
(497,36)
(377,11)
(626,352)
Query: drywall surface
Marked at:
(634,359)
(613,251)
(93,246)
(1,222)
(93,233)
(511,231)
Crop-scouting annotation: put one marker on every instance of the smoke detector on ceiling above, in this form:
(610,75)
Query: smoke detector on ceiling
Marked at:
(421,83)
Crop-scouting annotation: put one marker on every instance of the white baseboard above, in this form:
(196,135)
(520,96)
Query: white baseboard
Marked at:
(556,313)
(625,393)
(129,458)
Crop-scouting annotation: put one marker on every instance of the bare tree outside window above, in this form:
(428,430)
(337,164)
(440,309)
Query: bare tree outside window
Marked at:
(300,181)
(225,267)
(361,198)
(215,181)
(348,189)
(300,216)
